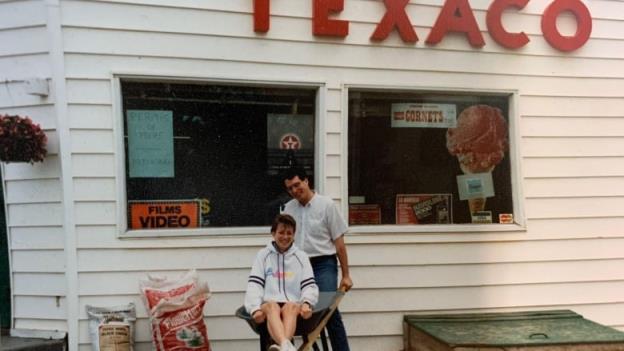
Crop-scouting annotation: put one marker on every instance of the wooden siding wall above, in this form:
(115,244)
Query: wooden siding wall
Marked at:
(33,192)
(571,120)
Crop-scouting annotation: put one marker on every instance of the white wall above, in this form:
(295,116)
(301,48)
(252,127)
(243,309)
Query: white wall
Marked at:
(571,127)
(33,192)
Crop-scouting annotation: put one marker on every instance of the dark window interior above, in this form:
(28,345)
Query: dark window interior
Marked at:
(220,147)
(386,161)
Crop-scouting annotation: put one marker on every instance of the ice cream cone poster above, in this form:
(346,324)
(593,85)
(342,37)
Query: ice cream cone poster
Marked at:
(479,141)
(407,115)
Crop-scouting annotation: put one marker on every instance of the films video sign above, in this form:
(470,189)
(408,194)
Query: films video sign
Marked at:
(154,214)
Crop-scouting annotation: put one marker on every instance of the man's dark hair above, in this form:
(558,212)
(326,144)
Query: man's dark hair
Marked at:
(290,173)
(284,219)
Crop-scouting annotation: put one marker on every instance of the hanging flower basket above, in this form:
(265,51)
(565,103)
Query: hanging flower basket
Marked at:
(21,140)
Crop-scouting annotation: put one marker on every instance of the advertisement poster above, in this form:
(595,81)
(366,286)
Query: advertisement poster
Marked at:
(476,185)
(150,144)
(408,115)
(362,214)
(155,214)
(424,209)
(290,141)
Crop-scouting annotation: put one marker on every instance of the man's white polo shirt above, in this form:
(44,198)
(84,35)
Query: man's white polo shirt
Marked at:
(318,224)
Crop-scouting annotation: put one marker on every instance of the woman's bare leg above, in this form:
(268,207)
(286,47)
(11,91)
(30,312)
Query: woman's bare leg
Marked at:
(290,312)
(274,322)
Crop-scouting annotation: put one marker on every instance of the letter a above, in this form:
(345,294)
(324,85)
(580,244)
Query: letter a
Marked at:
(395,17)
(456,16)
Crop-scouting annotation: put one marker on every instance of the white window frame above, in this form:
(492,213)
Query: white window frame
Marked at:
(514,155)
(120,174)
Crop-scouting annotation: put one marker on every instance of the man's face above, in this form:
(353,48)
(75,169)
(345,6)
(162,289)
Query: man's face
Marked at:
(284,235)
(298,189)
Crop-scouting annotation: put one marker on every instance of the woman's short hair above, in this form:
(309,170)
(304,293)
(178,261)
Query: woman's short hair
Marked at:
(284,219)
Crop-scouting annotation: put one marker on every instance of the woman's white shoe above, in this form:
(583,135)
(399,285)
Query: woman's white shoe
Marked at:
(288,346)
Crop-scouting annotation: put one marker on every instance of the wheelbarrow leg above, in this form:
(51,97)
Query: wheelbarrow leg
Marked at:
(324,340)
(315,347)
(265,338)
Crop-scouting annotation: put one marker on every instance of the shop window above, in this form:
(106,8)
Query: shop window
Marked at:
(429,157)
(210,155)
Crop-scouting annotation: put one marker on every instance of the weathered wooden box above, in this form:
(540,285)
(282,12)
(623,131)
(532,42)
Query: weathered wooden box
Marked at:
(560,330)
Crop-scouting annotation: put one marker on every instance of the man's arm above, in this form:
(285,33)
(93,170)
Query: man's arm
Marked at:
(341,252)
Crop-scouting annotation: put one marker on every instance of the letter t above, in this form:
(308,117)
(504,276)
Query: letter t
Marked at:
(261,15)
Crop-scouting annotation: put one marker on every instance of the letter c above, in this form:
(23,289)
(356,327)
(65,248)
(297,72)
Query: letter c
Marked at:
(494,20)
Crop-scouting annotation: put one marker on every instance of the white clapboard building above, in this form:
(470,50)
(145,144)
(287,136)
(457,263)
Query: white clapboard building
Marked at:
(169,123)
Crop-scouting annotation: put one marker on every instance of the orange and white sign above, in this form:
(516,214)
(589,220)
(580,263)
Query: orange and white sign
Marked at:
(164,214)
(408,115)
(505,218)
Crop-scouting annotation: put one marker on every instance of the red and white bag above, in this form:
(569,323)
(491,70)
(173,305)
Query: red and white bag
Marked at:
(176,310)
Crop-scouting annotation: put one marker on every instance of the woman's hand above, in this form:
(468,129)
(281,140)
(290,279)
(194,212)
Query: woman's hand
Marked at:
(305,311)
(259,316)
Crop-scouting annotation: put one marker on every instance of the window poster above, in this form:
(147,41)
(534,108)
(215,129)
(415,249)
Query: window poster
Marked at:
(290,141)
(424,208)
(158,214)
(360,214)
(407,115)
(475,185)
(150,144)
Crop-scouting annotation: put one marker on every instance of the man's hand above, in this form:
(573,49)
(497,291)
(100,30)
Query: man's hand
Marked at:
(259,316)
(346,283)
(305,311)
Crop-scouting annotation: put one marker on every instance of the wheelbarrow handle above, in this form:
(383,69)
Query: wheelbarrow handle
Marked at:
(312,336)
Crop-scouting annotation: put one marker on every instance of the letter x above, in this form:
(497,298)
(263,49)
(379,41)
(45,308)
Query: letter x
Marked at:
(395,17)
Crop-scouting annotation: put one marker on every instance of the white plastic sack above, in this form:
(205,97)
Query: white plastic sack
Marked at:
(112,328)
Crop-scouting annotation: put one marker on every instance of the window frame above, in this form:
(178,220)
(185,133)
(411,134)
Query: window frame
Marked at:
(120,155)
(514,155)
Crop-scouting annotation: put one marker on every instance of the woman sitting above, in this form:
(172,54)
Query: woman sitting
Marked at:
(281,285)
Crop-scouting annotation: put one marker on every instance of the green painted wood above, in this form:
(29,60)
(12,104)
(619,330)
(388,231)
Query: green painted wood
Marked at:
(514,329)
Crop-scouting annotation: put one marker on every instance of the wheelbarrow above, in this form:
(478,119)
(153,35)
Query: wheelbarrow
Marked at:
(309,329)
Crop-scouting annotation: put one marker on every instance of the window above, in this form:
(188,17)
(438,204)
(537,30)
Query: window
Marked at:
(429,157)
(210,155)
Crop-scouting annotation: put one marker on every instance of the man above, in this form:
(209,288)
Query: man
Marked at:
(320,234)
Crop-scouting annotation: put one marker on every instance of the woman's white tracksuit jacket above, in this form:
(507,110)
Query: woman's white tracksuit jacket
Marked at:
(280,277)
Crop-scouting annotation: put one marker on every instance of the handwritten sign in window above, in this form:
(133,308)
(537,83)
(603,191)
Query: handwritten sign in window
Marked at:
(150,144)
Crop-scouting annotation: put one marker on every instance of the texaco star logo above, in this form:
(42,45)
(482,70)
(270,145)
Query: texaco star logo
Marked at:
(290,141)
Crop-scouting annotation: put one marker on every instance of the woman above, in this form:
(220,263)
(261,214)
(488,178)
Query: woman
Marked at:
(281,285)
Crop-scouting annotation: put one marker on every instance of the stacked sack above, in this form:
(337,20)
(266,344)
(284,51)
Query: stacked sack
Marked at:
(112,328)
(176,311)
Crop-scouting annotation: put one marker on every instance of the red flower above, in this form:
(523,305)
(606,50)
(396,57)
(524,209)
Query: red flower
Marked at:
(21,140)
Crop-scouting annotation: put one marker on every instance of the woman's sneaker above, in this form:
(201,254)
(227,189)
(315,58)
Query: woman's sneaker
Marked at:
(274,347)
(288,346)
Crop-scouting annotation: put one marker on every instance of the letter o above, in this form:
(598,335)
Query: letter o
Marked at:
(184,221)
(583,24)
